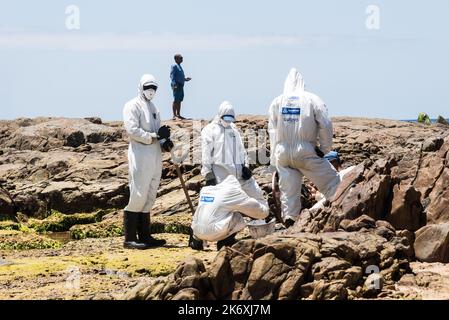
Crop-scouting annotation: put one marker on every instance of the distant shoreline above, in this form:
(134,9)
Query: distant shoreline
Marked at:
(415,120)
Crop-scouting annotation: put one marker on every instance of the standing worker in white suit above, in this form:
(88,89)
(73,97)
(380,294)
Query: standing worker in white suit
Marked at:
(147,138)
(224,154)
(300,134)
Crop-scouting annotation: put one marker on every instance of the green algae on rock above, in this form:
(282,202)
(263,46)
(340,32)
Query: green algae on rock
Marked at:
(9,225)
(112,226)
(58,222)
(16,240)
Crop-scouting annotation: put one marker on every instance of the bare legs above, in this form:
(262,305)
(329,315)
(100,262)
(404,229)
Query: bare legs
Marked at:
(177,110)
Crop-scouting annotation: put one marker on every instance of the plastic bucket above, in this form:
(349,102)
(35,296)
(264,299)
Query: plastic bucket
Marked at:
(260,228)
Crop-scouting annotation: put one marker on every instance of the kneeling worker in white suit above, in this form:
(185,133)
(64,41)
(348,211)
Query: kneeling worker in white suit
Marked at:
(219,215)
(298,121)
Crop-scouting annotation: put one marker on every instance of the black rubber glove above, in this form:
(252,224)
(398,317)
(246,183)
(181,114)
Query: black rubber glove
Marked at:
(163,132)
(167,145)
(319,152)
(246,173)
(210,179)
(211,182)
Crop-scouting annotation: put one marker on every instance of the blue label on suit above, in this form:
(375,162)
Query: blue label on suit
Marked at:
(291,111)
(207,199)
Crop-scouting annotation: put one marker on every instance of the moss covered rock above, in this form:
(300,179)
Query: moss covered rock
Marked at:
(58,222)
(16,240)
(96,230)
(9,225)
(113,226)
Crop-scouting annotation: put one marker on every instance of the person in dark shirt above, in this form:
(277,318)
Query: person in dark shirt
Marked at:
(178,79)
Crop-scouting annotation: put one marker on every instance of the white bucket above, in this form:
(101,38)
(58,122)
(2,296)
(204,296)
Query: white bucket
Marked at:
(260,228)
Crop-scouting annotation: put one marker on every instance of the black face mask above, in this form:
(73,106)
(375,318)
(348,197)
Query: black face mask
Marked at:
(149,86)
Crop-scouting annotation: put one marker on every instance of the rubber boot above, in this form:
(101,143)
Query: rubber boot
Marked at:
(130,227)
(226,242)
(143,231)
(289,222)
(195,243)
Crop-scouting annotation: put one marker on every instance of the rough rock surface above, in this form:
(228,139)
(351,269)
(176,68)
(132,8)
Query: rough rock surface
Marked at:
(432,243)
(369,190)
(74,165)
(337,265)
(399,186)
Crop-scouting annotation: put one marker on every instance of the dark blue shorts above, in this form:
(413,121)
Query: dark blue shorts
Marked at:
(178,93)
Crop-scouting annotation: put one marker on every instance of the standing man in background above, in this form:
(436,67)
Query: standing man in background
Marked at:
(178,79)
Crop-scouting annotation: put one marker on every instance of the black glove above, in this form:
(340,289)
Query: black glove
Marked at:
(210,179)
(319,152)
(163,132)
(167,145)
(246,173)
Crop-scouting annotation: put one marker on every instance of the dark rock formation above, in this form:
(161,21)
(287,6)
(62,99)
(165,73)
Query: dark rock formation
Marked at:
(339,265)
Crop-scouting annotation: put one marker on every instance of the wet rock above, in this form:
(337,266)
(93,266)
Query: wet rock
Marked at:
(432,144)
(442,120)
(96,120)
(6,204)
(432,243)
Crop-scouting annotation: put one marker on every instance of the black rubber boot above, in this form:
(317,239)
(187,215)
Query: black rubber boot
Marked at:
(143,230)
(130,227)
(289,222)
(195,243)
(226,242)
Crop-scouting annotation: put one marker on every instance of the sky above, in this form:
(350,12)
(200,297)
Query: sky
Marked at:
(80,58)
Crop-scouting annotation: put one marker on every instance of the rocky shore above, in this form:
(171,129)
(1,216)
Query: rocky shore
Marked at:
(64,183)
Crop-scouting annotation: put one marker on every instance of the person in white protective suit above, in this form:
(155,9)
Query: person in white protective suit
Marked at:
(224,154)
(298,121)
(147,138)
(220,211)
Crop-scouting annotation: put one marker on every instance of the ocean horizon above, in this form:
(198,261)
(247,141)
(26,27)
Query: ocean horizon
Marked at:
(416,120)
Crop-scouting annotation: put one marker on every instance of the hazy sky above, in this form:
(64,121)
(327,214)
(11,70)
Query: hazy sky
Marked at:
(239,51)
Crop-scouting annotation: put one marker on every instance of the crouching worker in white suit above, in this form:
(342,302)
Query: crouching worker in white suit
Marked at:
(147,138)
(298,121)
(219,215)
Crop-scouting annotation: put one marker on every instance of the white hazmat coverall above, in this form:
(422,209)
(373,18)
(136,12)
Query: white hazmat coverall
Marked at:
(142,122)
(224,154)
(218,213)
(298,120)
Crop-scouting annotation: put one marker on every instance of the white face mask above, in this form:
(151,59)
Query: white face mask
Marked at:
(149,94)
(225,124)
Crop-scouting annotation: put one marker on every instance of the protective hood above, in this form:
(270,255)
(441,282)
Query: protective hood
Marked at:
(294,82)
(147,79)
(225,108)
